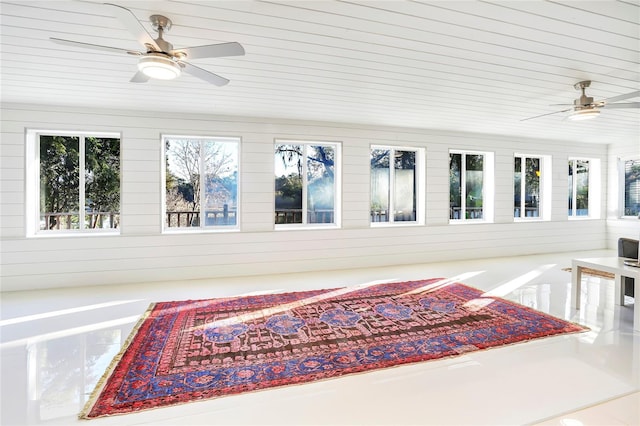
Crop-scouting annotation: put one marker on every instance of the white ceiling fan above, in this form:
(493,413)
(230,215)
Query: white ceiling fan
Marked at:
(585,107)
(160,60)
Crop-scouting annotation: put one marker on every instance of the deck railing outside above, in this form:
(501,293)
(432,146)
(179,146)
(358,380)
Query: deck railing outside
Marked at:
(295,216)
(69,220)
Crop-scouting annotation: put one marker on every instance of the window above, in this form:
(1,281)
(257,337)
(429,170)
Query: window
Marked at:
(305,183)
(395,185)
(469,180)
(75,182)
(201,182)
(526,186)
(578,188)
(631,170)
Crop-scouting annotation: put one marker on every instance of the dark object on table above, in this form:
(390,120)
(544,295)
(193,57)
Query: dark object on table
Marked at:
(628,248)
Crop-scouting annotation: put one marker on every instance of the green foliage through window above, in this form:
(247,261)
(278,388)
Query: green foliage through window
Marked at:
(631,188)
(466,186)
(526,200)
(578,196)
(305,183)
(201,182)
(79,182)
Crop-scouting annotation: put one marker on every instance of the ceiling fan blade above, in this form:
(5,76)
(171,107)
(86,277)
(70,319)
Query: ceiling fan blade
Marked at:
(134,26)
(204,74)
(92,46)
(549,113)
(622,97)
(625,105)
(140,77)
(212,50)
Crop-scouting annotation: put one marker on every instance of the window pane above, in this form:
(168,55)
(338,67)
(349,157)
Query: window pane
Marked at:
(582,188)
(288,185)
(474,182)
(455,186)
(320,183)
(59,182)
(102,183)
(182,182)
(405,186)
(380,185)
(517,187)
(570,186)
(221,182)
(532,187)
(632,188)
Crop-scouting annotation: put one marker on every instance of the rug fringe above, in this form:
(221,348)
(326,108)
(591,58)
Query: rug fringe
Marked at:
(101,383)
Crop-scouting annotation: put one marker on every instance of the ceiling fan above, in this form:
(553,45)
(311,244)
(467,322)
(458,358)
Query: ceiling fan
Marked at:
(160,60)
(585,107)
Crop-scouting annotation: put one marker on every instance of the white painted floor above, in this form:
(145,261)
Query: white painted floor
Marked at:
(55,344)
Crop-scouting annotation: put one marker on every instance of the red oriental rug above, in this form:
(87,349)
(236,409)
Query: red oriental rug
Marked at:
(193,350)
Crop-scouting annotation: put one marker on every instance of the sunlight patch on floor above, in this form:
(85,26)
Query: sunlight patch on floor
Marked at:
(518,282)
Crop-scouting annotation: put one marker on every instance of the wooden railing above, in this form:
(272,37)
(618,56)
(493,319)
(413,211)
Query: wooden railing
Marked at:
(295,216)
(471,213)
(183,219)
(528,212)
(398,216)
(69,220)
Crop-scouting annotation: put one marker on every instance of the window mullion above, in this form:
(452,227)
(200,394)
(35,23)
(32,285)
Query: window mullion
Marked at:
(574,189)
(463,186)
(82,183)
(201,170)
(523,187)
(392,185)
(305,182)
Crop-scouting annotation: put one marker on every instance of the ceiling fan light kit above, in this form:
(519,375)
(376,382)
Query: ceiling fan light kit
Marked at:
(583,114)
(158,66)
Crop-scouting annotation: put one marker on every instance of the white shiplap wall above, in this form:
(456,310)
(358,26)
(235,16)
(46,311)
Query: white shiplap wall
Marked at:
(617,227)
(142,254)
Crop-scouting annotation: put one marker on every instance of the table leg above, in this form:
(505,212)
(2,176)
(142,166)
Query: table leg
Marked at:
(576,281)
(636,307)
(618,290)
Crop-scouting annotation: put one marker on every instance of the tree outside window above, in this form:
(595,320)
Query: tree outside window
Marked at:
(631,188)
(526,200)
(466,186)
(305,182)
(578,195)
(393,185)
(201,182)
(79,182)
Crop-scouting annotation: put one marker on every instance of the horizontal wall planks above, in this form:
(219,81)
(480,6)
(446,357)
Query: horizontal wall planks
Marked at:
(142,254)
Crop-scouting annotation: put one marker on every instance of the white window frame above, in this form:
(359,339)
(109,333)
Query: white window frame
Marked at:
(545,188)
(621,186)
(420,186)
(32,183)
(488,204)
(337,185)
(595,189)
(163,171)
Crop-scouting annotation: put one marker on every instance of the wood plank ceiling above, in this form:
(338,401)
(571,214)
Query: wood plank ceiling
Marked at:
(477,66)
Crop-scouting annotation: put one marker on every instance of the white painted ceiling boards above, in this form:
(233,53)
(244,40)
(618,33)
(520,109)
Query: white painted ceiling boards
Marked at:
(476,66)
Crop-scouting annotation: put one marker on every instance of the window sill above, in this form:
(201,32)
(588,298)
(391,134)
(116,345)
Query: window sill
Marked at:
(468,221)
(302,227)
(395,224)
(185,230)
(74,234)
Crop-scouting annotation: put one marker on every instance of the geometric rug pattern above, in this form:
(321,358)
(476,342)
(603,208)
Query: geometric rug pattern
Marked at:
(185,351)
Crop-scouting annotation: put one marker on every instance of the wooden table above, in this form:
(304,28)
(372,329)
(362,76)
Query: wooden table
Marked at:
(614,265)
